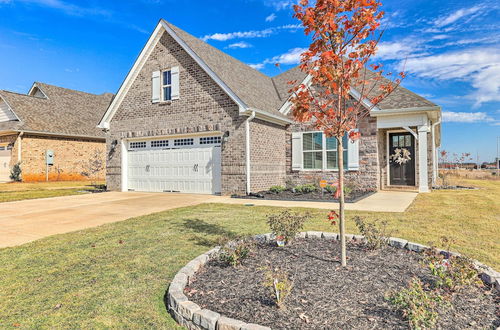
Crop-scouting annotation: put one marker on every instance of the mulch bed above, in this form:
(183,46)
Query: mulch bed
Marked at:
(325,295)
(316,196)
(454,188)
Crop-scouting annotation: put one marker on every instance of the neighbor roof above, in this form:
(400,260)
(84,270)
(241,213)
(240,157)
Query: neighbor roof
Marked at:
(63,112)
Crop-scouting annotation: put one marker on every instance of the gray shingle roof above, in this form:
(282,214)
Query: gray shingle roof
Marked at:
(269,94)
(65,112)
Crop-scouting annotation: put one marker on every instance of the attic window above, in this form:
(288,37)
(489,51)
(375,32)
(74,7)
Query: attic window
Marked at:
(166,85)
(36,92)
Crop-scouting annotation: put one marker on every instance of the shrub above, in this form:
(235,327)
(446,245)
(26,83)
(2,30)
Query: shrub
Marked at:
(287,224)
(375,232)
(232,254)
(452,273)
(331,189)
(277,189)
(419,306)
(279,284)
(15,172)
(306,188)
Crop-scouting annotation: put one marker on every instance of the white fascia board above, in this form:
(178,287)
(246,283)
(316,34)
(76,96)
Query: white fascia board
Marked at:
(132,74)
(285,109)
(10,108)
(402,111)
(269,117)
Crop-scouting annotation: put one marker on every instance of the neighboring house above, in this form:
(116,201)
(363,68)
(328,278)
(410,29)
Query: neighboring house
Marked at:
(50,118)
(191,118)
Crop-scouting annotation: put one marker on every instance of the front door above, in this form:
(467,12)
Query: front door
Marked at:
(401,159)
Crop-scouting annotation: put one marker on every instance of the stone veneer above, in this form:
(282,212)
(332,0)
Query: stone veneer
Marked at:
(193,317)
(366,178)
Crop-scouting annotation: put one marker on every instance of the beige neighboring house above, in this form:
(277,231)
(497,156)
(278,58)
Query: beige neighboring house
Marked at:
(50,118)
(190,118)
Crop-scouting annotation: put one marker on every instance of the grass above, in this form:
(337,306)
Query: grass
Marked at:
(20,190)
(116,275)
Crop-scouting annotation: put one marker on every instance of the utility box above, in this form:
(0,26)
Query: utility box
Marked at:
(49,157)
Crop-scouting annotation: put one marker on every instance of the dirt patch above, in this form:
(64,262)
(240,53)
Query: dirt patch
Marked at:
(324,295)
(316,196)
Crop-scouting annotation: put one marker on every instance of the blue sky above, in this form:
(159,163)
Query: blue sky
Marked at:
(451,48)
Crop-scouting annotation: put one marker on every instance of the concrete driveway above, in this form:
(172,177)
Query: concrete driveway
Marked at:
(29,220)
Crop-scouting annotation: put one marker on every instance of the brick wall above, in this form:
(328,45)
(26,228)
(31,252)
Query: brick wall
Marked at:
(366,178)
(203,107)
(71,156)
(268,157)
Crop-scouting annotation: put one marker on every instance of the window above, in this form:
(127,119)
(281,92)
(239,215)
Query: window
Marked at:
(210,140)
(159,143)
(320,152)
(166,85)
(138,145)
(183,142)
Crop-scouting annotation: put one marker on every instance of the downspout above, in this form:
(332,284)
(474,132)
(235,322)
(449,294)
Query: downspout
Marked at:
(247,150)
(20,147)
(434,152)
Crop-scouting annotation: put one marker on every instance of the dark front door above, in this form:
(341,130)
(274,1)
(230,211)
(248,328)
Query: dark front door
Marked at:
(401,159)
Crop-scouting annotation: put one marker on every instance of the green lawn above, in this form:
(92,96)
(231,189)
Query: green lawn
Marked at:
(116,275)
(19,190)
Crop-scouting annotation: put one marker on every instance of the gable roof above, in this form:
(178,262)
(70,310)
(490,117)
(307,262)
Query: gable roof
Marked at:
(248,87)
(63,112)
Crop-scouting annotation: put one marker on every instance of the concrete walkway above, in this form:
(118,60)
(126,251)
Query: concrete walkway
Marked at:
(26,221)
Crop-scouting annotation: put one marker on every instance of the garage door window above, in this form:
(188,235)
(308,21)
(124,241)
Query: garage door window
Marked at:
(159,143)
(138,145)
(183,142)
(210,140)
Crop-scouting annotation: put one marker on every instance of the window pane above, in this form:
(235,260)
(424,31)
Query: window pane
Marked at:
(407,141)
(313,160)
(345,140)
(167,93)
(401,140)
(167,78)
(331,160)
(331,143)
(307,141)
(395,141)
(318,141)
(345,159)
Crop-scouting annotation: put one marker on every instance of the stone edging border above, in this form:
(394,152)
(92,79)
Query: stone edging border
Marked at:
(193,317)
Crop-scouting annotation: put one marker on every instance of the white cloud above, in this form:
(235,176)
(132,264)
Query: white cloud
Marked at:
(271,17)
(250,34)
(280,4)
(480,67)
(257,66)
(466,117)
(289,58)
(395,50)
(67,8)
(455,16)
(241,44)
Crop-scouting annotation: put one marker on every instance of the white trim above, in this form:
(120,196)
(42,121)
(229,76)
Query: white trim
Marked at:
(367,103)
(124,165)
(175,136)
(411,131)
(387,112)
(388,168)
(324,151)
(248,151)
(10,107)
(269,117)
(423,178)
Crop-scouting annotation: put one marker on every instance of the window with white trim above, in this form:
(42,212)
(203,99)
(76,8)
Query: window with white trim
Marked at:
(166,85)
(159,143)
(210,140)
(183,142)
(320,152)
(137,145)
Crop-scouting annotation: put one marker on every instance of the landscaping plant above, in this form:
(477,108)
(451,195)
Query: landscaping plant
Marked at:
(344,39)
(15,172)
(277,189)
(286,224)
(232,253)
(306,188)
(279,284)
(419,306)
(94,166)
(375,232)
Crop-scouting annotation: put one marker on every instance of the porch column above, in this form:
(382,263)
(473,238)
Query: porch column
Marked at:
(423,177)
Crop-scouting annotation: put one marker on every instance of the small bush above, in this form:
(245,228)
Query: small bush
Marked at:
(375,232)
(419,306)
(332,189)
(452,273)
(277,189)
(232,254)
(15,172)
(287,224)
(279,284)
(306,188)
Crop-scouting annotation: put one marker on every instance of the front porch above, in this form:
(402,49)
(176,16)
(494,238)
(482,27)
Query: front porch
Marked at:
(408,143)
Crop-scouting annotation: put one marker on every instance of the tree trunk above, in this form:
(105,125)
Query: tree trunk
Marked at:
(340,157)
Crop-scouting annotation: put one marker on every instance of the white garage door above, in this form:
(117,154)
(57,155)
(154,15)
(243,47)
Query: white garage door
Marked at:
(4,163)
(189,165)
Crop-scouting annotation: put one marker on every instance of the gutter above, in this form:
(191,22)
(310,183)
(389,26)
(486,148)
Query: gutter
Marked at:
(404,111)
(62,135)
(20,146)
(247,150)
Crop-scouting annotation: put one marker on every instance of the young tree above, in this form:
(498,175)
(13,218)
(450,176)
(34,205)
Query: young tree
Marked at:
(344,38)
